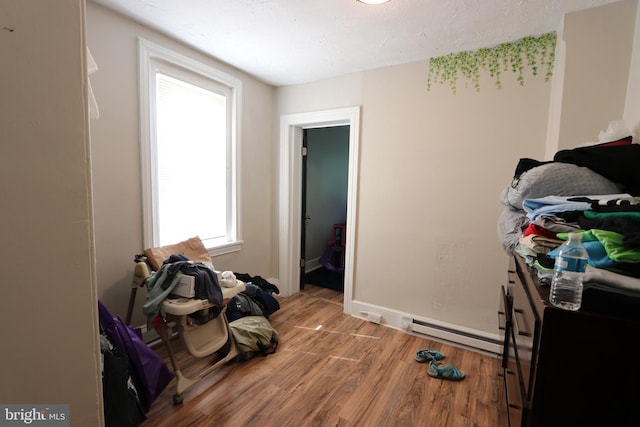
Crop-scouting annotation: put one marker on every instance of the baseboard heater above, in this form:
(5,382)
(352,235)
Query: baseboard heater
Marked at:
(457,336)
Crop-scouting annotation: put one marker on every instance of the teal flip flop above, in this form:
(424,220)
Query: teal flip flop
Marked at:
(445,372)
(426,355)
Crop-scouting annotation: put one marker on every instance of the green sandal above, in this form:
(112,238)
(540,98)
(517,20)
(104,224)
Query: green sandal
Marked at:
(423,356)
(445,372)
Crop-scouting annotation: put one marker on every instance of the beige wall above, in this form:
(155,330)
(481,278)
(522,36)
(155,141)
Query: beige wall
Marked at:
(432,165)
(599,43)
(50,347)
(632,104)
(116,160)
(428,223)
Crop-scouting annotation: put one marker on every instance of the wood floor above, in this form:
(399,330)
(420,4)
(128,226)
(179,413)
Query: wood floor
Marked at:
(331,369)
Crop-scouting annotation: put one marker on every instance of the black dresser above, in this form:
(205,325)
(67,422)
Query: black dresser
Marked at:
(568,369)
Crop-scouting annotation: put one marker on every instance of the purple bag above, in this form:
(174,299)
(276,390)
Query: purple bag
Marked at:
(148,371)
(325,260)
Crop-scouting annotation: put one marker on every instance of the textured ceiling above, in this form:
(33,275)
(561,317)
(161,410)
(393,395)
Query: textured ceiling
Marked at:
(283,42)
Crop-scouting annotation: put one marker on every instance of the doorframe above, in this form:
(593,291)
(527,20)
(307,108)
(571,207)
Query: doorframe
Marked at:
(290,183)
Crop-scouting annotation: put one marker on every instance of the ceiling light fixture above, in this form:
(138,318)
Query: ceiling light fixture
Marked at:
(373,1)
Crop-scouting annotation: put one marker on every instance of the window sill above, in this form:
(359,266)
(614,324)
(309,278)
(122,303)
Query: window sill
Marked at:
(222,249)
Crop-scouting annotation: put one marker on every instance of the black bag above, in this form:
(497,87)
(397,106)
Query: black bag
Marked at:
(122,407)
(253,301)
(242,305)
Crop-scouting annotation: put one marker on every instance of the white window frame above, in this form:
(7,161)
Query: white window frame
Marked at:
(150,57)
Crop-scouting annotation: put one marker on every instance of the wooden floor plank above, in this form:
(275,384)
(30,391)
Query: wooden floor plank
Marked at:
(331,369)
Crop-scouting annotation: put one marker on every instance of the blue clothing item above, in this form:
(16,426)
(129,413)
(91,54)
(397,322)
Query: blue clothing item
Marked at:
(250,289)
(551,205)
(554,204)
(596,251)
(597,254)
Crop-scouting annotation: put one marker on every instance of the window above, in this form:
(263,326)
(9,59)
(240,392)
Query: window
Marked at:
(189,136)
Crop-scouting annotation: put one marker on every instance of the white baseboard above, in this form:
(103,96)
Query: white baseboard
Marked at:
(148,335)
(456,335)
(312,264)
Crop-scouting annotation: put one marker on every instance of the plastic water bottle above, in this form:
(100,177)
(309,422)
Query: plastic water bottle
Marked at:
(568,274)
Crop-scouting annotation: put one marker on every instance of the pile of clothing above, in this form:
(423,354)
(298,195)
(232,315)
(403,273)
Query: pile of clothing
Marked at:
(591,190)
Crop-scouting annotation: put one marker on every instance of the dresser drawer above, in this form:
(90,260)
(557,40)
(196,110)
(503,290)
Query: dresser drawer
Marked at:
(504,323)
(511,271)
(514,392)
(526,330)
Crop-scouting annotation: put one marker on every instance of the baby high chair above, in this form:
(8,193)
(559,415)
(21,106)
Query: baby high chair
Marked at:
(211,337)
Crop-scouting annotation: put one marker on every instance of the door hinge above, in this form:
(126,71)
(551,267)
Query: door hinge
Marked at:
(304,151)
(301,263)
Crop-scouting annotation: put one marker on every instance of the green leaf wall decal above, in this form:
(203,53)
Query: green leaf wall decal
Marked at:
(532,52)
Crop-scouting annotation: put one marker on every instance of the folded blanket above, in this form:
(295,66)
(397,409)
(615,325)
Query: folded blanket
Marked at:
(612,282)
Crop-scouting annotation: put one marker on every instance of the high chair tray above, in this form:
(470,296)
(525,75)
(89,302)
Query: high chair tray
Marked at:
(184,306)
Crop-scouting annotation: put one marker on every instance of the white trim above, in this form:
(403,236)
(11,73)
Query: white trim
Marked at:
(290,206)
(146,165)
(436,330)
(312,264)
(147,53)
(226,248)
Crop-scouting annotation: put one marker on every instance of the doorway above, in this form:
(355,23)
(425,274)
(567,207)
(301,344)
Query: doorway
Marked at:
(325,167)
(289,199)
